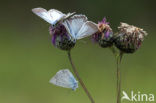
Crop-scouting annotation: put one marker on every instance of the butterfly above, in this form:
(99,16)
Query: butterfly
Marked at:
(64,78)
(52,16)
(79,27)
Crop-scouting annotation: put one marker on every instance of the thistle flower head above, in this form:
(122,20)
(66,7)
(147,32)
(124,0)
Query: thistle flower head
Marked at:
(104,36)
(61,38)
(129,38)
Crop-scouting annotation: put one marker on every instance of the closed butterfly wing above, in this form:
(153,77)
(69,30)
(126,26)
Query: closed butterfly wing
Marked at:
(56,15)
(52,16)
(87,29)
(64,78)
(74,24)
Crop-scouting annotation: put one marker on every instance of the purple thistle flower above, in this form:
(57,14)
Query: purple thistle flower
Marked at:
(104,21)
(105,34)
(60,37)
(53,39)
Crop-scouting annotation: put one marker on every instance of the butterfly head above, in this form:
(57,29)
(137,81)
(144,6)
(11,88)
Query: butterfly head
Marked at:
(104,36)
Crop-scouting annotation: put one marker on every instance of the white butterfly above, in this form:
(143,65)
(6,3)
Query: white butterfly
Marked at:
(52,16)
(78,26)
(64,78)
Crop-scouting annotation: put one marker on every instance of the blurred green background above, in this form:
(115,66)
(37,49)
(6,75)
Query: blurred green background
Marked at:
(28,59)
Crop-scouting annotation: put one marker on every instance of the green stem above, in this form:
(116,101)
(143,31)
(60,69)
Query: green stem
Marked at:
(119,58)
(79,79)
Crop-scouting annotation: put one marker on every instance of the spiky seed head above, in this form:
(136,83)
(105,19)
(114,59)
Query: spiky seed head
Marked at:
(129,38)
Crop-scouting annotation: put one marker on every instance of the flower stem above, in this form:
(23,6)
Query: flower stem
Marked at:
(119,58)
(79,79)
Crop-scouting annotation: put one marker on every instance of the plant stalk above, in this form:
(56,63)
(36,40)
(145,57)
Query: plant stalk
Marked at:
(119,58)
(79,79)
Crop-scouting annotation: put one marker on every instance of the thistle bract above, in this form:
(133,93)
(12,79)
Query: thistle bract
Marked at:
(104,36)
(129,38)
(61,38)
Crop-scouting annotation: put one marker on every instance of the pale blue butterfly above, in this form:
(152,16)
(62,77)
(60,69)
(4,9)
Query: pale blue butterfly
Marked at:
(64,78)
(52,16)
(79,27)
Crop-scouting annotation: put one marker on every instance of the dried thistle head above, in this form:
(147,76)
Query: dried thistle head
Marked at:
(104,36)
(61,38)
(129,38)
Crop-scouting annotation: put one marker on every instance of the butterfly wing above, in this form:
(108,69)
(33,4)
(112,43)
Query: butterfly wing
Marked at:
(87,29)
(52,16)
(64,78)
(56,15)
(74,23)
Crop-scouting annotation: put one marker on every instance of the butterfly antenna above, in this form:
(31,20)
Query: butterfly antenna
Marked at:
(63,19)
(72,14)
